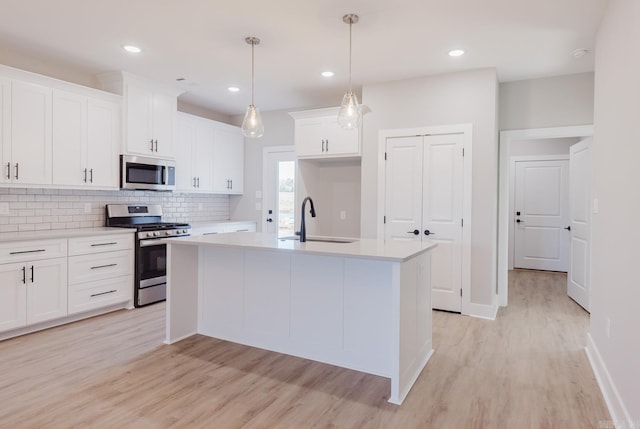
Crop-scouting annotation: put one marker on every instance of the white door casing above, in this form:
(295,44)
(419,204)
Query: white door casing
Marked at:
(541,214)
(578,278)
(424,201)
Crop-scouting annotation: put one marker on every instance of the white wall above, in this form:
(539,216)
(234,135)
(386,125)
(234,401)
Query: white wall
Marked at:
(532,147)
(550,102)
(615,231)
(467,97)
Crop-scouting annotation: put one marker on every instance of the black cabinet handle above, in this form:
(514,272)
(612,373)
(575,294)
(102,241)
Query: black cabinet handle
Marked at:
(17,171)
(24,275)
(151,141)
(85,176)
(198,182)
(231,184)
(8,170)
(104,244)
(91,175)
(27,251)
(327,145)
(32,274)
(156,145)
(414,232)
(103,266)
(103,293)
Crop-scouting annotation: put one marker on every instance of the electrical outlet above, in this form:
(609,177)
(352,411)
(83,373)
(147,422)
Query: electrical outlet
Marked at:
(4,209)
(608,328)
(343,214)
(87,207)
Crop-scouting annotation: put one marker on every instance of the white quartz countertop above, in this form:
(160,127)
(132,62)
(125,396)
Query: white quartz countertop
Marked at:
(8,237)
(360,248)
(210,223)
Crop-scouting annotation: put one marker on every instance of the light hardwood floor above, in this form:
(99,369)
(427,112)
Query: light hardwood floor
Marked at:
(527,369)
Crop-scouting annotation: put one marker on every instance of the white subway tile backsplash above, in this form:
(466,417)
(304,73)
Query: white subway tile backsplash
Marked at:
(41,209)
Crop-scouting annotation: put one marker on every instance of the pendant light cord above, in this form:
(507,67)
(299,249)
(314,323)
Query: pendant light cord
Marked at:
(350,25)
(253,44)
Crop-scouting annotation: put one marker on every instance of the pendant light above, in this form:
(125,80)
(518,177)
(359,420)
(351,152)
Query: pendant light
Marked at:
(252,125)
(350,114)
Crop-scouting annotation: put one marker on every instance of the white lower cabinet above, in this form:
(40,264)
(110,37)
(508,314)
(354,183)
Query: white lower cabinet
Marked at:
(100,272)
(40,283)
(32,292)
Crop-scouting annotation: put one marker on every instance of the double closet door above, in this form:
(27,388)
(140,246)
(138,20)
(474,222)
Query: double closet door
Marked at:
(424,201)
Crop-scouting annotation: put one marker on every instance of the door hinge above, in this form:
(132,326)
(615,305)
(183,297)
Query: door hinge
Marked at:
(462,151)
(385,156)
(384,219)
(462,223)
(460,293)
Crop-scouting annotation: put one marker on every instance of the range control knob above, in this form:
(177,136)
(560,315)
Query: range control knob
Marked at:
(149,234)
(167,233)
(155,234)
(184,231)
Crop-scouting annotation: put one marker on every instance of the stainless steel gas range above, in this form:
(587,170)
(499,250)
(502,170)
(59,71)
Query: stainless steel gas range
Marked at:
(150,282)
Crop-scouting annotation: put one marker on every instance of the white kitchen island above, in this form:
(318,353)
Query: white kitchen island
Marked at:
(364,305)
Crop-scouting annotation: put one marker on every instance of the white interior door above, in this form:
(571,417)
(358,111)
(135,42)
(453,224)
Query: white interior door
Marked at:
(424,184)
(403,205)
(442,217)
(541,238)
(578,279)
(279,177)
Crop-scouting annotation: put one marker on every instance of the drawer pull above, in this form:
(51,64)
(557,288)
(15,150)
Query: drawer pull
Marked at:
(104,244)
(103,293)
(28,251)
(103,266)
(209,233)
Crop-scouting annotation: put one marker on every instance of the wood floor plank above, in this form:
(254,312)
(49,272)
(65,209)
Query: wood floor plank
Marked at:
(526,369)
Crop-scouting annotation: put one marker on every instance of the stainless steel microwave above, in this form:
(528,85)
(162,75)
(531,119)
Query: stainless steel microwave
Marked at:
(137,172)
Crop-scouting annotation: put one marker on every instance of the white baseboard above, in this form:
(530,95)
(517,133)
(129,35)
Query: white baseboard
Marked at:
(483,311)
(617,409)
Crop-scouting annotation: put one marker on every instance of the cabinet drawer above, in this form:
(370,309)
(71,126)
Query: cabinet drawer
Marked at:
(103,243)
(87,268)
(32,250)
(101,293)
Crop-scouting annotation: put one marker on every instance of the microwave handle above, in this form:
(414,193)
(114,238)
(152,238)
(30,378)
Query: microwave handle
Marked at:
(165,179)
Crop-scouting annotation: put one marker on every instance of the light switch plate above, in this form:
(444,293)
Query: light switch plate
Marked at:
(4,209)
(343,214)
(258,195)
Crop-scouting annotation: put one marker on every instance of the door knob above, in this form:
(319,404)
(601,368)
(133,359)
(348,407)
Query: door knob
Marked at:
(414,232)
(518,220)
(269,219)
(568,228)
(427,232)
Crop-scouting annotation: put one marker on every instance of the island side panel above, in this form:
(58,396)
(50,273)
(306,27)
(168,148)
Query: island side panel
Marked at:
(182,292)
(412,320)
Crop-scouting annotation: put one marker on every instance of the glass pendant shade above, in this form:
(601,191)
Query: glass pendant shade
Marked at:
(350,114)
(252,125)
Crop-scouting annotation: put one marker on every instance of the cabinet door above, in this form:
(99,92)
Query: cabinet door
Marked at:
(202,160)
(186,141)
(164,108)
(139,135)
(31,133)
(340,141)
(46,290)
(69,136)
(13,296)
(103,143)
(228,161)
(5,130)
(309,137)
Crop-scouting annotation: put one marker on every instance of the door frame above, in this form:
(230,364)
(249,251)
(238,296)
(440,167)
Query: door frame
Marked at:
(466,307)
(512,193)
(504,175)
(266,150)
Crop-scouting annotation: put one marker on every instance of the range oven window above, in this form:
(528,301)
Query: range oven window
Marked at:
(153,260)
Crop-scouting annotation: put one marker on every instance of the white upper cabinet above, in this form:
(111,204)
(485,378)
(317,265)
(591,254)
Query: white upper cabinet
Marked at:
(194,160)
(211,156)
(86,141)
(228,160)
(26,145)
(318,135)
(150,114)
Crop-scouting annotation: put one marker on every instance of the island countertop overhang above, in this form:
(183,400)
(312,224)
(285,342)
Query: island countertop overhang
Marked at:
(392,251)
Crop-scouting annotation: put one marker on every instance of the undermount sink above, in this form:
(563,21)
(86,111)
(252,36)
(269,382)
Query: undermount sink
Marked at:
(321,239)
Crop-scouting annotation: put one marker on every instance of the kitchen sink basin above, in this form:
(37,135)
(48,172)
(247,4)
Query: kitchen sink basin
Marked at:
(321,239)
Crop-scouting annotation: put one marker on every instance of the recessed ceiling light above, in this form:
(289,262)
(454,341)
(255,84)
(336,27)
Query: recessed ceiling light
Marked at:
(456,53)
(328,73)
(233,89)
(579,53)
(132,49)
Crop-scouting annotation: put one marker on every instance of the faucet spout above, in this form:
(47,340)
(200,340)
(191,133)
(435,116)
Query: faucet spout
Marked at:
(303,228)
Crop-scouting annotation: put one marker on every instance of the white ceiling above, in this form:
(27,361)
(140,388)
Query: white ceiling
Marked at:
(203,42)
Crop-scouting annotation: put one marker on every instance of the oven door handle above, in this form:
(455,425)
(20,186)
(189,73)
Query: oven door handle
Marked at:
(153,242)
